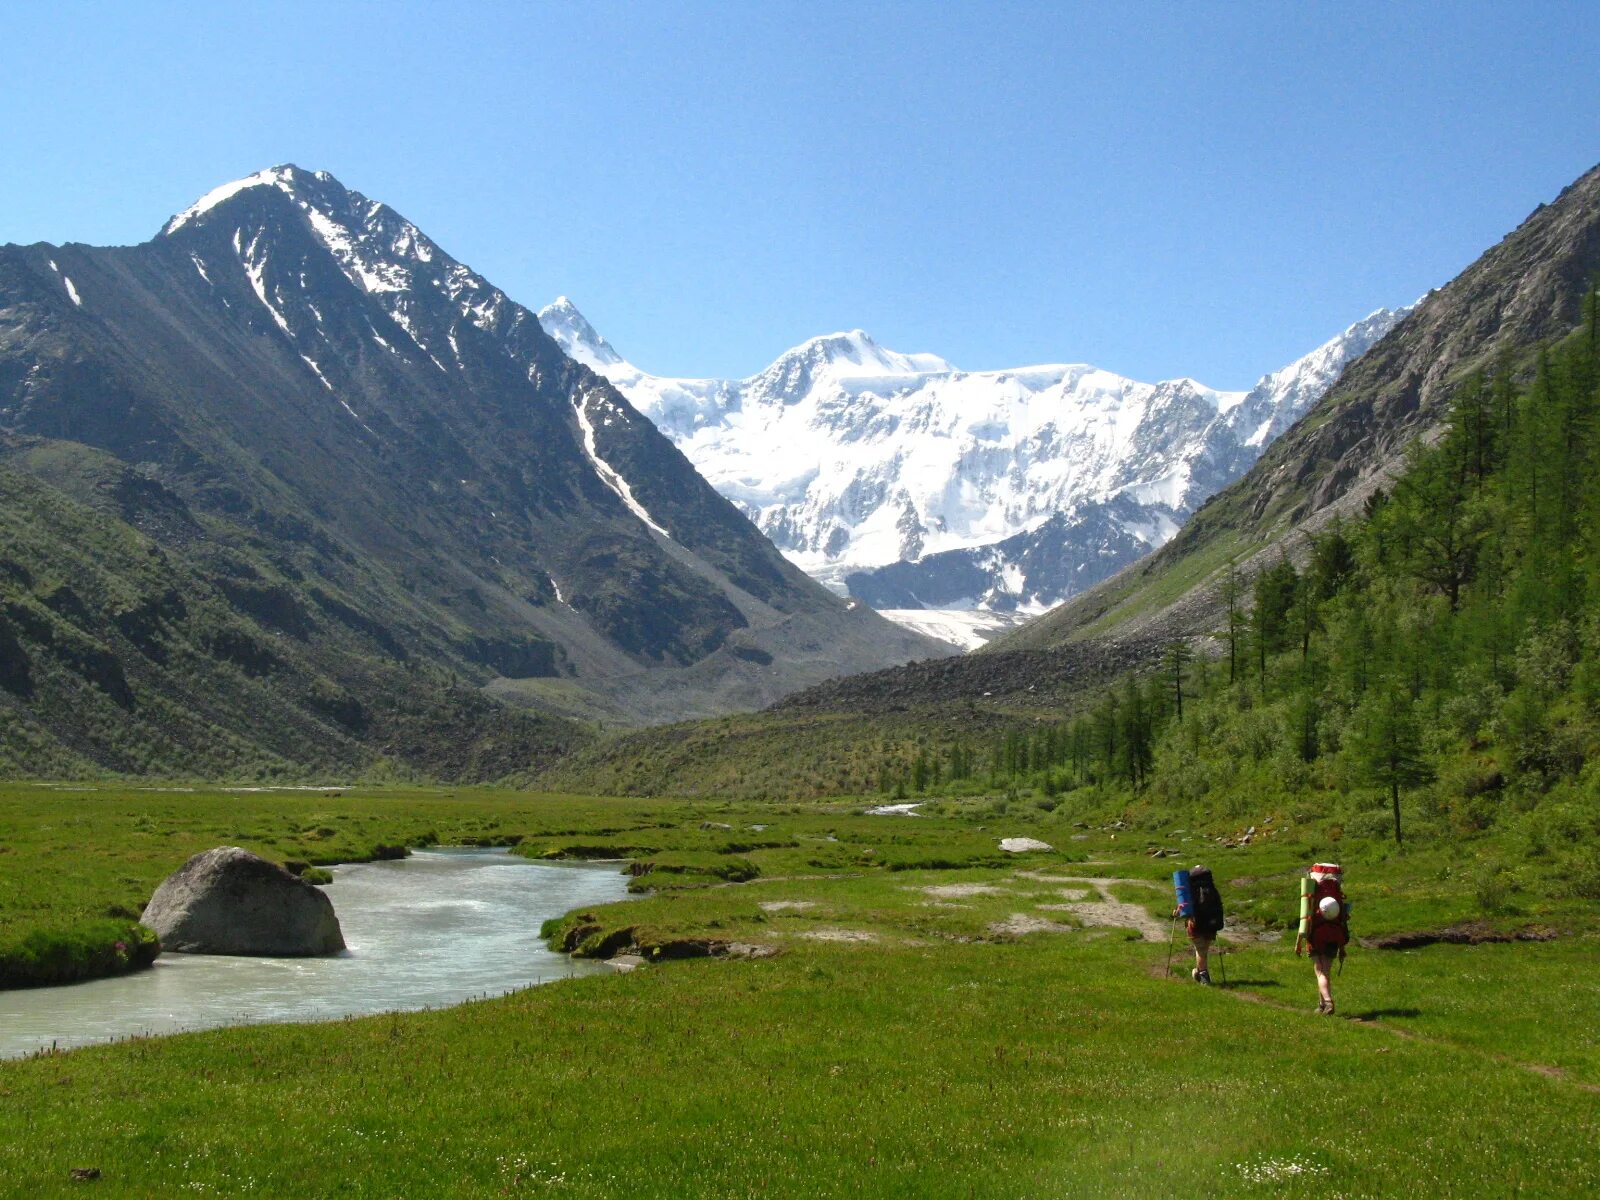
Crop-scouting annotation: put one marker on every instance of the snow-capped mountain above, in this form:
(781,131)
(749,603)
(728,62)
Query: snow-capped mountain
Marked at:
(913,484)
(428,470)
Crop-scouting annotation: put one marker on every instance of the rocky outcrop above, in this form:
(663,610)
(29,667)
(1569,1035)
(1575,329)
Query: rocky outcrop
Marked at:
(229,901)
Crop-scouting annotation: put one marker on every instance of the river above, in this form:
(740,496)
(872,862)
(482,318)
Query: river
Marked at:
(434,929)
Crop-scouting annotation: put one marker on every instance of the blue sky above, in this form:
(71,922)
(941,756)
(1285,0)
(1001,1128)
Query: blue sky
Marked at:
(1162,190)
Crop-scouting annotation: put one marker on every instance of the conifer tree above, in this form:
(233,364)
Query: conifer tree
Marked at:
(1233,599)
(1388,746)
(1177,661)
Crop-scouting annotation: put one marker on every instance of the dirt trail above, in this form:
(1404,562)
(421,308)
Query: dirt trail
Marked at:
(1107,911)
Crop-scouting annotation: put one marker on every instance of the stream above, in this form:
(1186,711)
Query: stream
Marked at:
(434,929)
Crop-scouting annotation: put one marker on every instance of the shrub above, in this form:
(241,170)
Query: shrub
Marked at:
(1580,873)
(1491,888)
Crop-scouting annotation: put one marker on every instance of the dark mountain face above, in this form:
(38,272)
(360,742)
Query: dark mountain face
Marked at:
(1065,555)
(316,384)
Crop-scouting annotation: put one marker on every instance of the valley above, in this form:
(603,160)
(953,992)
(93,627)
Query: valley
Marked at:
(440,757)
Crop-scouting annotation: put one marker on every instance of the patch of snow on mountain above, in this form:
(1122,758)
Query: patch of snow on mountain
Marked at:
(965,628)
(271,177)
(255,270)
(608,474)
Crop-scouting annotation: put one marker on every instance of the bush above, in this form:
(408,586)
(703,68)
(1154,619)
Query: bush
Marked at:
(1580,874)
(1491,888)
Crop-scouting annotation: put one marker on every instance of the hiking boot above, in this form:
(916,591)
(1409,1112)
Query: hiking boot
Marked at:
(1203,977)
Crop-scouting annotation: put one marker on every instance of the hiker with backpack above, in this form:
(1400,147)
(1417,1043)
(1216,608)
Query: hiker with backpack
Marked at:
(1324,926)
(1201,903)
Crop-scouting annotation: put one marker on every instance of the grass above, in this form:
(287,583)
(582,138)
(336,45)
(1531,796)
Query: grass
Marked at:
(900,1043)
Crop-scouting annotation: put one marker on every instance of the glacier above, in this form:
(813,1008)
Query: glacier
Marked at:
(910,484)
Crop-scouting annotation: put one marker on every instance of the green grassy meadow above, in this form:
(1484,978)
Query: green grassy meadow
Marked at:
(937,1018)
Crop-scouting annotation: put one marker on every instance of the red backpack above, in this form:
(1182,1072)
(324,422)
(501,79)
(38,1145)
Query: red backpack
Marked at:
(1326,935)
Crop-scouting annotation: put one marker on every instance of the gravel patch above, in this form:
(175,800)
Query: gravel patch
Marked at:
(1020,924)
(840,935)
(955,891)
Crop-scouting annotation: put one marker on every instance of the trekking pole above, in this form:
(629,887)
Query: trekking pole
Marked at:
(1222,957)
(1171,938)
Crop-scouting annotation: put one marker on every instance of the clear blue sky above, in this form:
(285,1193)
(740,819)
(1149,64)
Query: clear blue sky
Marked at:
(1186,189)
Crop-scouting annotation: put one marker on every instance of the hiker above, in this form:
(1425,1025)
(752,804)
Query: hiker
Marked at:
(1324,926)
(1204,910)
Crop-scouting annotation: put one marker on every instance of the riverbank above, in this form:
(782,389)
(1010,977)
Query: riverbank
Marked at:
(78,862)
(434,929)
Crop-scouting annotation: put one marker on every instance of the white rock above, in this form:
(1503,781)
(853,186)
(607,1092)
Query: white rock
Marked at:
(1023,845)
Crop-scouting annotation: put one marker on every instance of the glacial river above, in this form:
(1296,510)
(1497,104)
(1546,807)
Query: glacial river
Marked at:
(438,928)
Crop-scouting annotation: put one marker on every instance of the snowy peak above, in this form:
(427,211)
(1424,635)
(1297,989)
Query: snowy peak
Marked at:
(1003,489)
(576,337)
(294,234)
(375,247)
(857,354)
(282,177)
(850,361)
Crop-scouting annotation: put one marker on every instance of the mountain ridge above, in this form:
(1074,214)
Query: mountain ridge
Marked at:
(909,483)
(1526,290)
(337,400)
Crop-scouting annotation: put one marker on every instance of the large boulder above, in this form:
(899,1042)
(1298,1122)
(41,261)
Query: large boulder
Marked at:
(229,901)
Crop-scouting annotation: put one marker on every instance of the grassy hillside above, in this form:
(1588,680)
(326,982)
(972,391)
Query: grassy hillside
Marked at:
(207,653)
(849,736)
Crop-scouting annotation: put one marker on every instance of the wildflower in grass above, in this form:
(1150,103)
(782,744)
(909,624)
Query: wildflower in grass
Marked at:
(1279,1170)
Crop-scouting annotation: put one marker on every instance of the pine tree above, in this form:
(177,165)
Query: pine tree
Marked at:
(1388,746)
(1177,660)
(1233,599)
(1274,595)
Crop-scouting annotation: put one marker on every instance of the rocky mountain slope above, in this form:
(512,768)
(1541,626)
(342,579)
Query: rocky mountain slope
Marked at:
(914,485)
(348,434)
(1527,289)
